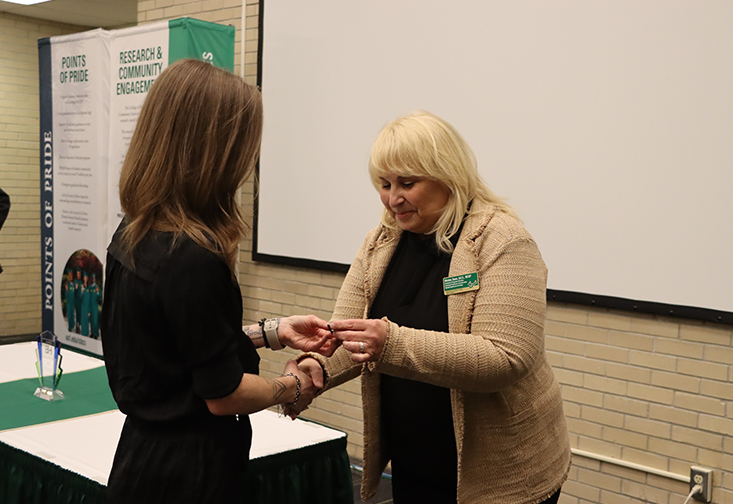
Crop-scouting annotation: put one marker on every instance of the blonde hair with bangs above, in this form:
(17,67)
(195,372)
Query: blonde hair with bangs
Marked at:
(196,141)
(424,145)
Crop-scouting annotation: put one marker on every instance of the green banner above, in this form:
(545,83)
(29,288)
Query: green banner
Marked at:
(193,38)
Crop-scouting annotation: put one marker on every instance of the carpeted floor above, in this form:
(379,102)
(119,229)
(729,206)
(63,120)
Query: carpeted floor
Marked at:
(384,493)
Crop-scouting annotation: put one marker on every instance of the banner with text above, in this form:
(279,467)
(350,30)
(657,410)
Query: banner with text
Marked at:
(92,86)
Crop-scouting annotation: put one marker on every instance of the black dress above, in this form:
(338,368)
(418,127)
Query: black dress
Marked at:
(416,417)
(172,337)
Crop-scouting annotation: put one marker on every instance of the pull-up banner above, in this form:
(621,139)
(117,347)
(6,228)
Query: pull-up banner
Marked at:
(92,86)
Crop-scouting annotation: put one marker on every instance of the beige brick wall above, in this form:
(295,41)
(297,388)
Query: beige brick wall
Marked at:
(648,390)
(20,245)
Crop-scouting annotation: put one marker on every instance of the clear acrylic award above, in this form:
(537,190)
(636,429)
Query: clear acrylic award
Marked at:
(48,367)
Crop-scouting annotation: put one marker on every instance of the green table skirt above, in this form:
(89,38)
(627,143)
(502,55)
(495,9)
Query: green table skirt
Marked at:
(317,474)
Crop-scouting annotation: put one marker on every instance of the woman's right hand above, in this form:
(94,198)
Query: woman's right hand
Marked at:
(363,338)
(307,333)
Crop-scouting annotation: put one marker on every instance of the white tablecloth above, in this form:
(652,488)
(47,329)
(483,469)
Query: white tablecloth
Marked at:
(86,445)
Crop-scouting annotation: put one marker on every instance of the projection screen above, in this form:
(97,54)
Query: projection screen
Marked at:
(608,125)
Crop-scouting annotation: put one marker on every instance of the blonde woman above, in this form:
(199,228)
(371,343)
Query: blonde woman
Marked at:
(180,365)
(442,315)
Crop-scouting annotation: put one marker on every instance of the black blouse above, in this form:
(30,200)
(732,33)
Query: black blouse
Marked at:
(416,417)
(172,329)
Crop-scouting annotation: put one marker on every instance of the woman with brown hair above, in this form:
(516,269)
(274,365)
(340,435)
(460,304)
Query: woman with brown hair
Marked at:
(180,364)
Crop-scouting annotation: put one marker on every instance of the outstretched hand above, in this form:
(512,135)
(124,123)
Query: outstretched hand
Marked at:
(308,333)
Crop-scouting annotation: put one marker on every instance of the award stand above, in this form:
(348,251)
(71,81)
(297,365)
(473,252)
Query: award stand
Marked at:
(48,367)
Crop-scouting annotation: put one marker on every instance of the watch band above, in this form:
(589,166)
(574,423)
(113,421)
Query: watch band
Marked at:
(270,330)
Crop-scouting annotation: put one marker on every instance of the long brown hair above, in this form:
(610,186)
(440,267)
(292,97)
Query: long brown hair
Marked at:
(196,141)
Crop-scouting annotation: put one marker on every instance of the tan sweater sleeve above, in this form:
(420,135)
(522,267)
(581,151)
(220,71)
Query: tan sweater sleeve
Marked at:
(350,304)
(506,331)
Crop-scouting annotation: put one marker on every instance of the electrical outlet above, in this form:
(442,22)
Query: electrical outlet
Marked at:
(704,477)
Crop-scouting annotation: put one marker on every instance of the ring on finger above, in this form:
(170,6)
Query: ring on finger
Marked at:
(361,347)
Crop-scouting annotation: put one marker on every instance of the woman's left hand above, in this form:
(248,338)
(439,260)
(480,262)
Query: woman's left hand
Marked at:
(364,338)
(313,370)
(307,333)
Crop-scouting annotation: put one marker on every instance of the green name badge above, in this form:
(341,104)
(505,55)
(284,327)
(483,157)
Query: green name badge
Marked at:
(460,283)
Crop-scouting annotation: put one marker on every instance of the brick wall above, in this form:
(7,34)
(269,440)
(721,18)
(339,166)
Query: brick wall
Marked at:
(20,238)
(647,390)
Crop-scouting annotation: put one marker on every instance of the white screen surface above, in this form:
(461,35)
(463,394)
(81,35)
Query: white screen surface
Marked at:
(608,126)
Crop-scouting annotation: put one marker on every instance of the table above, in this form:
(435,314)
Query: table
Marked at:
(61,452)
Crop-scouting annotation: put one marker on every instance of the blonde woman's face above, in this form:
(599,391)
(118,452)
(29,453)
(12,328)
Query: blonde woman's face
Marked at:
(415,203)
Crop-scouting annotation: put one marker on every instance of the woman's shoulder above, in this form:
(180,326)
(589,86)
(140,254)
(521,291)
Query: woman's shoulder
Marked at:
(183,253)
(378,236)
(378,243)
(486,221)
(162,251)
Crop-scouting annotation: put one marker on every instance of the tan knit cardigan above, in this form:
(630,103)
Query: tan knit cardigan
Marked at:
(507,411)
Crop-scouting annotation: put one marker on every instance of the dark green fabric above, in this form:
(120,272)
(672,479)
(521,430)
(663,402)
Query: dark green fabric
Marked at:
(86,392)
(318,474)
(26,479)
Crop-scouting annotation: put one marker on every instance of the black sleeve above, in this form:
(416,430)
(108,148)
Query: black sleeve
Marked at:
(199,301)
(4,207)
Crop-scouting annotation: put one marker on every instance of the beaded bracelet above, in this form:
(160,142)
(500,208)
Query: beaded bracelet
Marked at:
(297,390)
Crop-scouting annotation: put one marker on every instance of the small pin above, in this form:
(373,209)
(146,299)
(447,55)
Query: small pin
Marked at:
(329,328)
